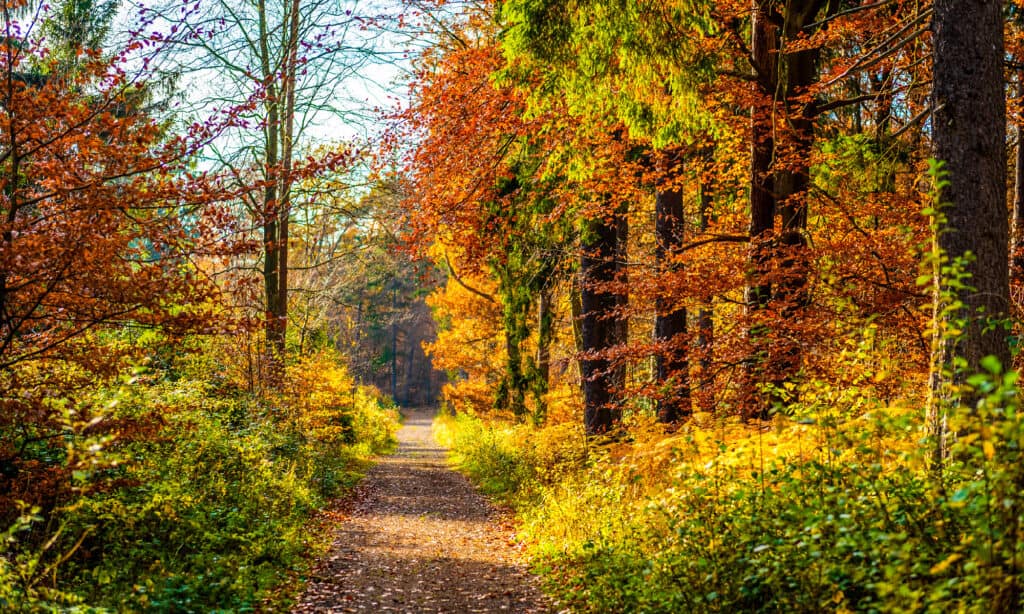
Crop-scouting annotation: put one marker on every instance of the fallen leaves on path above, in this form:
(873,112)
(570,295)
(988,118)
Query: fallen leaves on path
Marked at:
(419,538)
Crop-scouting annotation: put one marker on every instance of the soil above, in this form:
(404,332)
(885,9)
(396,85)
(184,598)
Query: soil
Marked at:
(416,537)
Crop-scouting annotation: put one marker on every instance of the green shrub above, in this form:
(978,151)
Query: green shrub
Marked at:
(203,501)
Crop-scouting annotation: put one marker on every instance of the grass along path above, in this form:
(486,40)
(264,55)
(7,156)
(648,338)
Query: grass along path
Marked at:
(419,538)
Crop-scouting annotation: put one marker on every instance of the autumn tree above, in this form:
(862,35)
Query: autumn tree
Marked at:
(484,195)
(292,60)
(672,361)
(104,227)
(671,90)
(601,320)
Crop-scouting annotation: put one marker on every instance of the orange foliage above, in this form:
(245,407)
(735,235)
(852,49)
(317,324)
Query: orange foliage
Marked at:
(102,223)
(591,142)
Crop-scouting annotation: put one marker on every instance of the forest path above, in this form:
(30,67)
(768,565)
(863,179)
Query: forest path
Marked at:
(419,538)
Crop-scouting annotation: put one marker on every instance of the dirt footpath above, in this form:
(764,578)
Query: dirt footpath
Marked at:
(418,538)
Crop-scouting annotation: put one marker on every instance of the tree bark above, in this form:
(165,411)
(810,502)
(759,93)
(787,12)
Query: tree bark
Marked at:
(763,48)
(1017,236)
(783,78)
(271,206)
(672,365)
(545,329)
(705,316)
(394,342)
(969,137)
(800,70)
(764,55)
(600,330)
(620,317)
(287,151)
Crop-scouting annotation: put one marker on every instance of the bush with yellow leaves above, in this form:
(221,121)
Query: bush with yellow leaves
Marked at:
(832,508)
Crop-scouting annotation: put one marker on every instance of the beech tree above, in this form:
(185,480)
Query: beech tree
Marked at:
(806,136)
(100,221)
(672,365)
(483,201)
(601,320)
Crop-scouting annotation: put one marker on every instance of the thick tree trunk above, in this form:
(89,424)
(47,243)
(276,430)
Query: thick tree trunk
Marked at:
(672,366)
(600,329)
(511,394)
(969,136)
(763,48)
(800,72)
(783,78)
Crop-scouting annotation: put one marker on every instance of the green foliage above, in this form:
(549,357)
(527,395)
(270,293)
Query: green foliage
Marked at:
(511,461)
(618,59)
(206,506)
(21,571)
(485,453)
(525,265)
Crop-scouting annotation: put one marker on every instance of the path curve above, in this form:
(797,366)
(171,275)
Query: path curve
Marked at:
(419,538)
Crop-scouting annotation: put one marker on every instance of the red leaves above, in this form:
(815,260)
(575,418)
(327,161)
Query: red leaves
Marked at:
(101,224)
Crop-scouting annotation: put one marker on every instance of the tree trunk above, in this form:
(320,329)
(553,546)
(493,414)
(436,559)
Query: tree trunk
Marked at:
(545,326)
(672,366)
(705,318)
(800,72)
(576,307)
(620,316)
(271,206)
(287,151)
(409,377)
(394,344)
(600,330)
(969,136)
(783,78)
(1017,238)
(763,49)
(511,393)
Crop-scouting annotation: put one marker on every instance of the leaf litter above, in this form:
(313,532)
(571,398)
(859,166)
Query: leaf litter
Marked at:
(417,537)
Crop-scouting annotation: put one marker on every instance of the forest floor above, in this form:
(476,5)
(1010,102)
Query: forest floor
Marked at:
(416,537)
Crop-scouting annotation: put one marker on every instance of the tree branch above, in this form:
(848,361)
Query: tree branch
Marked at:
(455,276)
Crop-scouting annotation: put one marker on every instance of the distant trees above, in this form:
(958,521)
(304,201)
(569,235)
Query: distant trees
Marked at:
(287,61)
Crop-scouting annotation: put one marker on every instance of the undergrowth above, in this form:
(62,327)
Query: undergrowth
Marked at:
(831,508)
(203,499)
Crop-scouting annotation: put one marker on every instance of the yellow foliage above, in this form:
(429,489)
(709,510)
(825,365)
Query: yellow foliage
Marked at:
(322,401)
(469,344)
(588,487)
